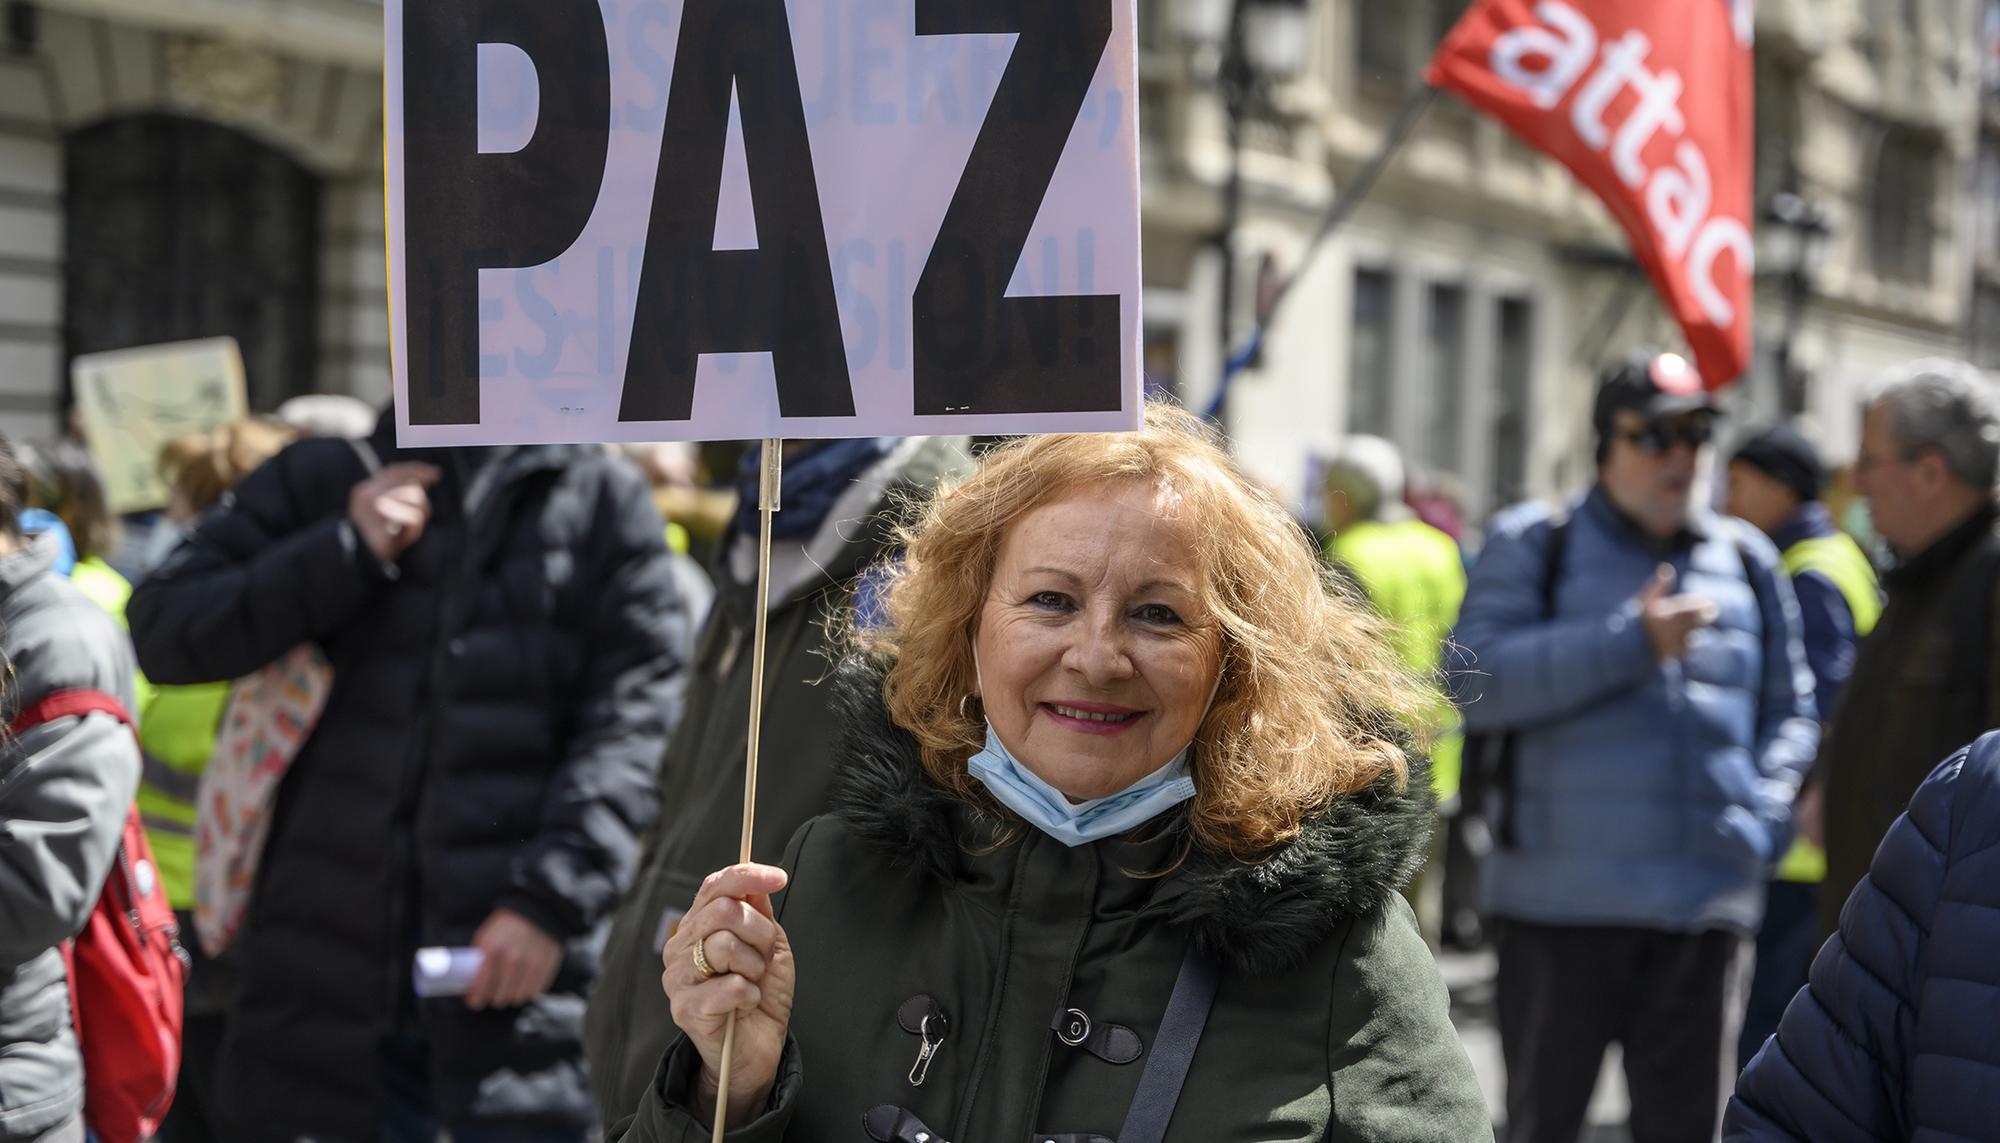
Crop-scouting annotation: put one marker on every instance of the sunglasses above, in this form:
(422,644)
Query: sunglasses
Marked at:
(1659,436)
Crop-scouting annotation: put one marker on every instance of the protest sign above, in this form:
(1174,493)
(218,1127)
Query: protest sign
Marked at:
(685,219)
(1651,106)
(132,401)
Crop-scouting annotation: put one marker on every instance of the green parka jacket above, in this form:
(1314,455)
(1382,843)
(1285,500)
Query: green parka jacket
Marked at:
(627,1024)
(1330,1023)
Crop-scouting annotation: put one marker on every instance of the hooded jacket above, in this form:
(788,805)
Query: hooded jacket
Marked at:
(64,789)
(500,696)
(1648,794)
(627,1025)
(1895,1036)
(1330,1022)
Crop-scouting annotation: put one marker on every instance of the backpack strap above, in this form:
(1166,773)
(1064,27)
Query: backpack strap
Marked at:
(1173,1050)
(74,703)
(1506,769)
(1552,564)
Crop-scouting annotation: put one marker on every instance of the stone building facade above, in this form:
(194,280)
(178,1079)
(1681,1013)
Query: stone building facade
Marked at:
(191,169)
(1465,308)
(198,167)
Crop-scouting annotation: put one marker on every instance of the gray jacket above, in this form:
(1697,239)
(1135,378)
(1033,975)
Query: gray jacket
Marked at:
(64,789)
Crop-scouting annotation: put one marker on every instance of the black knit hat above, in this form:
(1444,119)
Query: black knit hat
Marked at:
(1786,457)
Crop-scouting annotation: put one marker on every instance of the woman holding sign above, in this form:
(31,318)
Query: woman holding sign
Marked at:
(1124,808)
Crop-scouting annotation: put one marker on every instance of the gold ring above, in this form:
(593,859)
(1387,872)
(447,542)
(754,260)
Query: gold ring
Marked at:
(701,961)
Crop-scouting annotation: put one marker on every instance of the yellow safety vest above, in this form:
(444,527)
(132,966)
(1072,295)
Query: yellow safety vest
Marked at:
(1415,577)
(176,733)
(1841,561)
(1846,566)
(177,728)
(105,587)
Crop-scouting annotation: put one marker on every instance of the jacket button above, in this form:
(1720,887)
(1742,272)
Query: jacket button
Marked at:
(456,647)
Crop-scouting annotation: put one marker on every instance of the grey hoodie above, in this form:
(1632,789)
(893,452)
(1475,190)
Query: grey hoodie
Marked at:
(64,789)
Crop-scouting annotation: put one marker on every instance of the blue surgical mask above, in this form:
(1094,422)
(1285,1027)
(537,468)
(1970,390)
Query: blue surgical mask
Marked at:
(1044,807)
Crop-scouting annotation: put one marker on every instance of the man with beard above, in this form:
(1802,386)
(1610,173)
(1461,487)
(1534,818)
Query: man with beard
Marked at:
(1638,661)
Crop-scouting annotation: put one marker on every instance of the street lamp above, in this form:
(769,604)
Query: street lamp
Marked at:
(1798,231)
(1253,43)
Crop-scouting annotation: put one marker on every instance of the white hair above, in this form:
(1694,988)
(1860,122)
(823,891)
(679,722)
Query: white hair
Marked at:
(1947,405)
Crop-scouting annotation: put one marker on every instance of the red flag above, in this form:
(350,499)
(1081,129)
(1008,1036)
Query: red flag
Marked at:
(1650,103)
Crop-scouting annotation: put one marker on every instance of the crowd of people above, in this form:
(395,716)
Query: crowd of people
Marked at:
(1100,798)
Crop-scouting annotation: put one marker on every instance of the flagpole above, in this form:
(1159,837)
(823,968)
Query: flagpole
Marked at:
(769,479)
(1345,203)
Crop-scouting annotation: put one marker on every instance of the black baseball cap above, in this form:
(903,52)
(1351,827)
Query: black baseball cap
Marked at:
(1786,457)
(1652,384)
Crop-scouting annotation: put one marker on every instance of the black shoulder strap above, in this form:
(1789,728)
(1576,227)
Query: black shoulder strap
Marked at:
(1750,574)
(1505,776)
(1173,1050)
(1552,564)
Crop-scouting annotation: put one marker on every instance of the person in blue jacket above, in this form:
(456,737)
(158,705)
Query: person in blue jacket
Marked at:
(1775,481)
(1643,654)
(1897,1037)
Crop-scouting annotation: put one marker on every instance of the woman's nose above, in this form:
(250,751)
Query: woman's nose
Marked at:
(1100,653)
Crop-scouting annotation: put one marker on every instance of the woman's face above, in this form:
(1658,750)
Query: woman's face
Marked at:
(1096,660)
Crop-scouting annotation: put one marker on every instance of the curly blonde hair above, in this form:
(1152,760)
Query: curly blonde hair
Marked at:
(1313,703)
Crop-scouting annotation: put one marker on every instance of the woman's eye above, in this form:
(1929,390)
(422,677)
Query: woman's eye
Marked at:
(1050,600)
(1158,613)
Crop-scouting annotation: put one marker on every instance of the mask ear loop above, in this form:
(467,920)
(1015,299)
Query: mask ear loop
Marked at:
(1221,672)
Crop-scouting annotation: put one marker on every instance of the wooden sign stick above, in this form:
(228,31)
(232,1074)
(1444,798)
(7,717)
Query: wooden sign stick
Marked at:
(770,471)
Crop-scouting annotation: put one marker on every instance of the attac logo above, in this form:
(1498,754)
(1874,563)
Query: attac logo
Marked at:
(1650,104)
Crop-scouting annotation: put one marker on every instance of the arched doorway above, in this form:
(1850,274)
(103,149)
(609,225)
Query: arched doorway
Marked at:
(179,228)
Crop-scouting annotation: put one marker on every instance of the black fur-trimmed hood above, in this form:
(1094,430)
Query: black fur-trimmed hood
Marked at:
(1257,918)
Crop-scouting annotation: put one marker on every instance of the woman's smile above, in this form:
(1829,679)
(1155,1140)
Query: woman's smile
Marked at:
(1092,718)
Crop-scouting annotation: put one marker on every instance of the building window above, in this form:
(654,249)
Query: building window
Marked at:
(1152,27)
(1513,386)
(1986,325)
(1778,131)
(1445,15)
(179,229)
(1382,43)
(1371,364)
(1987,197)
(1902,226)
(1444,364)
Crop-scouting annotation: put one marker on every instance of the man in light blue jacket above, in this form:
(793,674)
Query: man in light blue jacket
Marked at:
(1640,657)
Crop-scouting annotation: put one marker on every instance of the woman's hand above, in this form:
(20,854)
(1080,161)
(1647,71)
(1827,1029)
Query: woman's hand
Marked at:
(732,922)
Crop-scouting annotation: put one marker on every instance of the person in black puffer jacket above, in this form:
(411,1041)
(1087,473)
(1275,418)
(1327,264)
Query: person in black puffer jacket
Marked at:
(508,653)
(1895,1037)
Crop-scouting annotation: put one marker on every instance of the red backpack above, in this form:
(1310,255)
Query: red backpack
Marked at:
(126,971)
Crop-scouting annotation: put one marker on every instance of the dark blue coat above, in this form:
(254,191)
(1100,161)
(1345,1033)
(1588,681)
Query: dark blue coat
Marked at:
(1898,1034)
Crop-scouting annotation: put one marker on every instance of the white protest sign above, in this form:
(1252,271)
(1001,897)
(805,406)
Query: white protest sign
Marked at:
(132,401)
(732,219)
